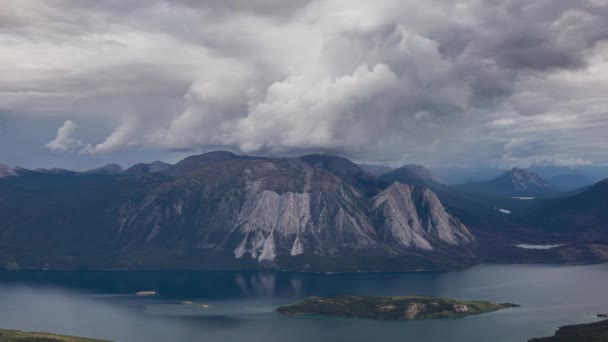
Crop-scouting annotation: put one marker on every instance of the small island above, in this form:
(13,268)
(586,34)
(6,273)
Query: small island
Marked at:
(393,308)
(20,336)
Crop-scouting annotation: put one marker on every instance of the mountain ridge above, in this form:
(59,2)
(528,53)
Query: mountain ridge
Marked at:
(236,211)
(514,182)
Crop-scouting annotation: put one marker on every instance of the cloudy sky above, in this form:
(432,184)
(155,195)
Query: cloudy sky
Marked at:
(492,83)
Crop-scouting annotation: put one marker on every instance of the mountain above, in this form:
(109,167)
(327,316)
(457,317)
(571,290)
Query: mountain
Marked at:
(411,174)
(569,181)
(143,168)
(515,182)
(56,171)
(347,170)
(376,170)
(414,216)
(109,169)
(422,171)
(584,212)
(220,210)
(460,175)
(7,171)
(193,164)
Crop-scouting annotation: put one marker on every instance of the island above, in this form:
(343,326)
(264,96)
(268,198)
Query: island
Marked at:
(590,332)
(393,308)
(20,336)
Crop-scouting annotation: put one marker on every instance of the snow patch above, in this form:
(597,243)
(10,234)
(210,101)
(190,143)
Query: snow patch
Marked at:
(297,247)
(269,252)
(153,233)
(504,211)
(531,246)
(241,249)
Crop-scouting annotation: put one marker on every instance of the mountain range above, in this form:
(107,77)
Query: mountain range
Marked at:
(311,213)
(515,182)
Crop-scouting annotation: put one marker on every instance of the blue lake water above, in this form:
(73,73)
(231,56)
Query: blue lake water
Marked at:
(240,304)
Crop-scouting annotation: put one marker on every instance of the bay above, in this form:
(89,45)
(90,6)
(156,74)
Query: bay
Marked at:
(239,305)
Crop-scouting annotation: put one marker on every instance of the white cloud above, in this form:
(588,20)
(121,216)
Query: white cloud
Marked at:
(308,112)
(64,140)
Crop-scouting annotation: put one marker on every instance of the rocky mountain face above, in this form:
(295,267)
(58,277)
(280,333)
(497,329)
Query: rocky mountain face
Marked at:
(413,216)
(515,182)
(223,210)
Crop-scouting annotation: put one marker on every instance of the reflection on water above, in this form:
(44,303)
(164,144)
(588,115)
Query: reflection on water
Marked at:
(237,306)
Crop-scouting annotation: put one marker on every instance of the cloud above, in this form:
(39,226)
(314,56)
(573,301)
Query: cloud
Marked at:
(304,112)
(440,82)
(64,140)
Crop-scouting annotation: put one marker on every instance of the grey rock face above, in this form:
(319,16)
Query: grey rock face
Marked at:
(223,210)
(515,182)
(523,180)
(414,217)
(265,209)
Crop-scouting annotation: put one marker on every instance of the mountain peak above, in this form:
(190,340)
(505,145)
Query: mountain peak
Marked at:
(7,171)
(421,171)
(336,164)
(108,169)
(414,216)
(410,174)
(143,168)
(514,182)
(523,180)
(195,162)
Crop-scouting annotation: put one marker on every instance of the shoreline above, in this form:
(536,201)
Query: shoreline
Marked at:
(556,264)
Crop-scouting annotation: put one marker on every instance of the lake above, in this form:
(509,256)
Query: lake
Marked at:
(240,304)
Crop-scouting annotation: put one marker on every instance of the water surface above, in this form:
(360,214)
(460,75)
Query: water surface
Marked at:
(240,304)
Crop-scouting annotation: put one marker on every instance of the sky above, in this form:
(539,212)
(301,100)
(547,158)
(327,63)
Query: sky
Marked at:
(440,83)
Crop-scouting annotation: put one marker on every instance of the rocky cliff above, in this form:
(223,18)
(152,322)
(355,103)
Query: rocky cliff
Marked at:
(226,209)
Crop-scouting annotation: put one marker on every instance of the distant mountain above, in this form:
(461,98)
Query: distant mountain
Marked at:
(412,174)
(460,175)
(376,170)
(422,172)
(143,168)
(220,210)
(587,211)
(7,171)
(594,173)
(515,182)
(569,181)
(56,171)
(109,169)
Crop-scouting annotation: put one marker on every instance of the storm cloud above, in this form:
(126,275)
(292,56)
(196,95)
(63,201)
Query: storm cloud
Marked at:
(497,83)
